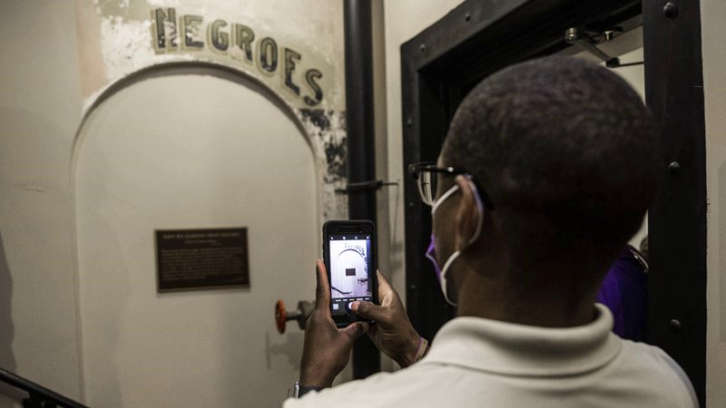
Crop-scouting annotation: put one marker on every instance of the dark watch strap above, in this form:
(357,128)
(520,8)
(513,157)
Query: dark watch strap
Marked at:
(301,390)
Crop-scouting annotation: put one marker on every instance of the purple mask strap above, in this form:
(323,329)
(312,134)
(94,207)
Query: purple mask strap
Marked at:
(431,255)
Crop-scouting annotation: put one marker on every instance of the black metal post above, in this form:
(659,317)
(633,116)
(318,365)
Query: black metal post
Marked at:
(361,141)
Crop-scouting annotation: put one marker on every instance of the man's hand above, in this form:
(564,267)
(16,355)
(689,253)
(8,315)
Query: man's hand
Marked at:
(327,348)
(393,333)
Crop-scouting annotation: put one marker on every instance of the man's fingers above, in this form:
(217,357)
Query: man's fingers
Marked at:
(322,292)
(355,330)
(369,311)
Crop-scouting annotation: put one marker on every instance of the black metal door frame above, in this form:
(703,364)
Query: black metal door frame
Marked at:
(479,37)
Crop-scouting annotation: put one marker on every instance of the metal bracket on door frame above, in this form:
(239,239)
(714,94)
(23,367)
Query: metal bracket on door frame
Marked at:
(588,40)
(364,186)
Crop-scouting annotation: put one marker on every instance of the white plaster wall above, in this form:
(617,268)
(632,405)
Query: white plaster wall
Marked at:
(40,107)
(185,152)
(404,19)
(40,113)
(713,32)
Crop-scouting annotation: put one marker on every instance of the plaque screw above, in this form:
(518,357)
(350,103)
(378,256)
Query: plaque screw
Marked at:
(675,326)
(674,167)
(670,10)
(413,287)
(422,47)
(467,17)
(409,122)
(410,204)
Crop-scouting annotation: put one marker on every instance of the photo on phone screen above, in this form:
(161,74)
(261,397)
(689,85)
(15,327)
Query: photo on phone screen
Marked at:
(350,268)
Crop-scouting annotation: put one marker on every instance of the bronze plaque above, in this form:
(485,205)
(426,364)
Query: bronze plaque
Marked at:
(201,258)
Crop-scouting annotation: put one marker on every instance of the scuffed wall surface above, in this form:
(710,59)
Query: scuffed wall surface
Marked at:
(119,38)
(243,163)
(327,130)
(59,57)
(116,38)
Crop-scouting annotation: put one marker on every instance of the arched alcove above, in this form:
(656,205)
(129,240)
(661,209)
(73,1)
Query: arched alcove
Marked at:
(184,148)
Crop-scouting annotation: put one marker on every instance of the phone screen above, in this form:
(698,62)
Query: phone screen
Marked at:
(350,269)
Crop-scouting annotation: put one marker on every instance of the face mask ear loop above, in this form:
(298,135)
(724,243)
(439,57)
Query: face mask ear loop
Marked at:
(443,198)
(480,207)
(445,269)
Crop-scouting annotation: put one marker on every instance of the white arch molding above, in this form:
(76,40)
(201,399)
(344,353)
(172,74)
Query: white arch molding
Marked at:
(324,129)
(117,300)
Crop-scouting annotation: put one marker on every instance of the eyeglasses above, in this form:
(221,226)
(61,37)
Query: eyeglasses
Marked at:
(426,176)
(427,179)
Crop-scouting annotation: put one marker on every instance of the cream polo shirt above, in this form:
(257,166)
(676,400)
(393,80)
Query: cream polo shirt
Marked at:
(476,362)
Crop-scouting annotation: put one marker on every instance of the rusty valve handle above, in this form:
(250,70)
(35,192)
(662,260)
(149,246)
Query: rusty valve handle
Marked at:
(301,314)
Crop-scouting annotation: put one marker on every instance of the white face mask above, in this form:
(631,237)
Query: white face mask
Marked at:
(431,255)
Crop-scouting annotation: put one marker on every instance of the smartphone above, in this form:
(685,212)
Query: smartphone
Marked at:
(350,257)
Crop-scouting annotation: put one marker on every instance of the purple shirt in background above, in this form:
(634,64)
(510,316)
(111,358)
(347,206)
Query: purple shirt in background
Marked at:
(625,292)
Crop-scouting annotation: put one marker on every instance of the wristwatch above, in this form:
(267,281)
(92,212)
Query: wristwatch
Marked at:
(299,390)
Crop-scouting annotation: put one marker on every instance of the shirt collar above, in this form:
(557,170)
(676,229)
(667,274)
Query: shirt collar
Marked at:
(514,349)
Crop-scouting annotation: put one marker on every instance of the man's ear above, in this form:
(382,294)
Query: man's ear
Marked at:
(467,214)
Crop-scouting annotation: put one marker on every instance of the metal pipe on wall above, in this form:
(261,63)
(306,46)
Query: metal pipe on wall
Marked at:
(361,141)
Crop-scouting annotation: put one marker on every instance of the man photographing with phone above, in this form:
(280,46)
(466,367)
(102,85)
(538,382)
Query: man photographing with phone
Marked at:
(547,170)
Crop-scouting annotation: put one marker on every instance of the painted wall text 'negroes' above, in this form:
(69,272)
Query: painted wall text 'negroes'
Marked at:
(173,33)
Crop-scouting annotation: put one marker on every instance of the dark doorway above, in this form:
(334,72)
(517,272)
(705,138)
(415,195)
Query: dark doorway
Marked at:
(442,63)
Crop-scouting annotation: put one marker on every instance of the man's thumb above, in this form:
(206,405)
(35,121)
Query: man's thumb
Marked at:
(355,330)
(368,310)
